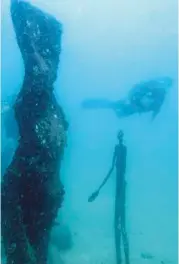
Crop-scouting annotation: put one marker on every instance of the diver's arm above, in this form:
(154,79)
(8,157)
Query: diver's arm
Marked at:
(157,107)
(155,112)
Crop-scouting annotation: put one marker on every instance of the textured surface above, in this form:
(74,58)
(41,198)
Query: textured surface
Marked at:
(31,189)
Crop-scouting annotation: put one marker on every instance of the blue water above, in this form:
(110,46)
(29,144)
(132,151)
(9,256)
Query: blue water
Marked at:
(108,46)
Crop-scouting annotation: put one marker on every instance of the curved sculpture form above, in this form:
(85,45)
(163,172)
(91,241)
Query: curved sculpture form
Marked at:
(31,191)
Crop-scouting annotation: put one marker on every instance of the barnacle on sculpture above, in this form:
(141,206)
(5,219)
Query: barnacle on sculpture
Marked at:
(50,131)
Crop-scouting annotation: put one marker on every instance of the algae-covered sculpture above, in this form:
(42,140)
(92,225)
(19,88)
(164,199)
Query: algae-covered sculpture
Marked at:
(31,191)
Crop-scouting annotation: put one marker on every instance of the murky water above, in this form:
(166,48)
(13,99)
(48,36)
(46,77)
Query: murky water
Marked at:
(108,46)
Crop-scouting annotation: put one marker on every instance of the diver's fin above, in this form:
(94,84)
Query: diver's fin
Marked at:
(97,104)
(155,112)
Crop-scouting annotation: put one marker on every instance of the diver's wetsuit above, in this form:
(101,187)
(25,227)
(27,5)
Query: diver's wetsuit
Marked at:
(136,103)
(119,221)
(155,99)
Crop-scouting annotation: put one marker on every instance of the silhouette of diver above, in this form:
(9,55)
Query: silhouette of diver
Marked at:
(144,97)
(119,161)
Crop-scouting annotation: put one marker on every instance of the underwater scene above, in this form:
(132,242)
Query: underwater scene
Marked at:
(89,132)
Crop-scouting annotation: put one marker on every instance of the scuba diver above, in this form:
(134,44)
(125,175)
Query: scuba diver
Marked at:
(144,97)
(119,161)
